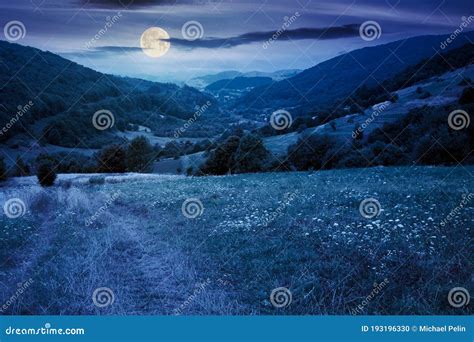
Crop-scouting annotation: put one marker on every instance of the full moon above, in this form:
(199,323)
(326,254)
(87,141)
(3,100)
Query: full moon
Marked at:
(154,42)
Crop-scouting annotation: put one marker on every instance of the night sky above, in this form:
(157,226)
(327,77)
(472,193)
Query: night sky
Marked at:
(235,34)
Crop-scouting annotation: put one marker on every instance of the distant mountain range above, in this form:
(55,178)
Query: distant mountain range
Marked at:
(204,81)
(319,86)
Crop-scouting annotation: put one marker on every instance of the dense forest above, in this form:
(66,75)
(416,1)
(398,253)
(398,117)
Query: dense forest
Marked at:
(63,92)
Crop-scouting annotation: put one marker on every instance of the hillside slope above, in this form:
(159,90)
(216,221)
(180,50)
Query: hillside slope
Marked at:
(322,84)
(67,95)
(443,90)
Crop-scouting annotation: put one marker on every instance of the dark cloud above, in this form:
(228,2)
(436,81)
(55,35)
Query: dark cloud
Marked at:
(253,37)
(270,36)
(133,3)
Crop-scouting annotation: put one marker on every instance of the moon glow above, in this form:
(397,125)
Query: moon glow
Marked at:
(154,42)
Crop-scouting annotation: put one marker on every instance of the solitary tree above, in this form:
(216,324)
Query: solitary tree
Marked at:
(251,155)
(221,159)
(140,155)
(112,159)
(46,173)
(3,170)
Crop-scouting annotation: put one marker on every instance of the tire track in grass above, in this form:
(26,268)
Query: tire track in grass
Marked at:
(151,275)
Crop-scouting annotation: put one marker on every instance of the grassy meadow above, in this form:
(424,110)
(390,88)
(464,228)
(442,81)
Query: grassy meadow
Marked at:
(253,233)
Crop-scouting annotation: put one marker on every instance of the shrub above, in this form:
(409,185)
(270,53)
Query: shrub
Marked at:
(386,155)
(97,180)
(220,160)
(46,174)
(250,156)
(111,159)
(311,152)
(21,169)
(140,155)
(355,158)
(3,170)
(467,96)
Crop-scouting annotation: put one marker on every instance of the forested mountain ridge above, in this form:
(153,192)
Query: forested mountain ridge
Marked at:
(65,95)
(319,86)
